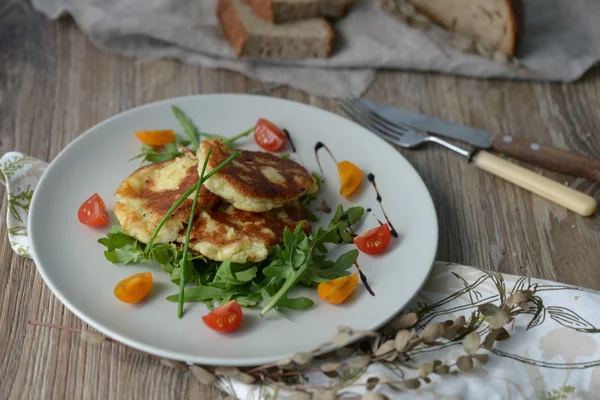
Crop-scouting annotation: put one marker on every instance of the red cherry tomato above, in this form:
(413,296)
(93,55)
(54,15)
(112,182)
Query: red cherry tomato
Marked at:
(226,318)
(374,241)
(93,212)
(268,135)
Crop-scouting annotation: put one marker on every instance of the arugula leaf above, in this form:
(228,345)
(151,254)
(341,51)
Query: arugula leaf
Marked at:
(341,221)
(204,293)
(297,303)
(121,248)
(191,275)
(188,126)
(195,136)
(167,255)
(302,259)
(213,294)
(235,274)
(318,179)
(327,270)
(230,141)
(164,153)
(305,200)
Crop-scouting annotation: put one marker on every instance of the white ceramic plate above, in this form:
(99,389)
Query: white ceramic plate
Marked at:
(72,263)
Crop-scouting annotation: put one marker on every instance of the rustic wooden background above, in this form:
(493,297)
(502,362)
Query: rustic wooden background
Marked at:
(54,84)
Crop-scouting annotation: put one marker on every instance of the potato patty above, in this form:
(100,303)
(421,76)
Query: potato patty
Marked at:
(255,181)
(219,230)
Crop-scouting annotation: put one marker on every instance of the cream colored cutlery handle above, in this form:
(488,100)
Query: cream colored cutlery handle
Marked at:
(561,194)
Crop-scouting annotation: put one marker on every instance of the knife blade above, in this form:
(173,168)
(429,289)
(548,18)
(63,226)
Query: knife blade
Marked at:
(547,157)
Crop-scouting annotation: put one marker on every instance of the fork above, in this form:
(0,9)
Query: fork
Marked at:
(408,137)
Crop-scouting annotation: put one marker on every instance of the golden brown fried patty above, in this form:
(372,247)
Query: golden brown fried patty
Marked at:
(226,231)
(255,181)
(147,194)
(220,231)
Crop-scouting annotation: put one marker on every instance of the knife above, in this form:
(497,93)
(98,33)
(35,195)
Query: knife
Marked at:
(525,150)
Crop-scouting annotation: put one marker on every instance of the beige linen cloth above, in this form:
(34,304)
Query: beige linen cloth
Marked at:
(561,42)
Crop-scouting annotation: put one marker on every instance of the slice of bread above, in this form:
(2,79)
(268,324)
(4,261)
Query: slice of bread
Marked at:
(278,11)
(253,37)
(496,24)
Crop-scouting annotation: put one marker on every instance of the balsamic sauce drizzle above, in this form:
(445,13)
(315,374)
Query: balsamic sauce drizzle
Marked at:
(369,210)
(289,138)
(319,146)
(363,278)
(371,178)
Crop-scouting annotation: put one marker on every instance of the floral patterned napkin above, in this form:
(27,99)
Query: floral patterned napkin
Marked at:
(551,351)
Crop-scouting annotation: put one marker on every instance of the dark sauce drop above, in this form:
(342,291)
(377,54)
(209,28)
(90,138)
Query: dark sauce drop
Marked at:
(289,138)
(363,278)
(371,179)
(318,147)
(369,210)
(344,217)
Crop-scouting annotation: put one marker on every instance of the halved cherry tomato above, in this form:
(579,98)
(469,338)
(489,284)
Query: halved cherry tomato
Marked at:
(93,212)
(268,135)
(350,177)
(134,288)
(156,138)
(337,290)
(374,241)
(226,318)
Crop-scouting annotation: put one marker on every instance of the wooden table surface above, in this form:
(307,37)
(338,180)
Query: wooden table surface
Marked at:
(54,85)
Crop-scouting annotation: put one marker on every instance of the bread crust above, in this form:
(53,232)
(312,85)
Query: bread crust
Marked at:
(516,23)
(330,42)
(263,8)
(518,20)
(238,35)
(232,26)
(346,9)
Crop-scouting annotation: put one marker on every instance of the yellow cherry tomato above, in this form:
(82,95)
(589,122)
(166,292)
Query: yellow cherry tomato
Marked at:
(156,138)
(134,288)
(337,290)
(350,177)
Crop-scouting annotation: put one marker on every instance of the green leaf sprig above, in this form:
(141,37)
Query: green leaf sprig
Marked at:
(303,258)
(170,151)
(195,136)
(188,126)
(186,195)
(186,243)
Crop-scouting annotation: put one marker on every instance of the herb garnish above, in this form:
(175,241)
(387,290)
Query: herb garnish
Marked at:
(195,136)
(186,244)
(173,150)
(300,260)
(188,126)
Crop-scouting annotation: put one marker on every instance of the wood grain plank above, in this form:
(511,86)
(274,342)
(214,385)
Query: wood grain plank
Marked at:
(54,85)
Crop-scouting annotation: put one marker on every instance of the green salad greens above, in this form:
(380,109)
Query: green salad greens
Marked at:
(172,150)
(300,260)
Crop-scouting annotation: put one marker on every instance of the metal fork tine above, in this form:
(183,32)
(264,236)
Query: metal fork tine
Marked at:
(395,134)
(382,129)
(399,128)
(358,116)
